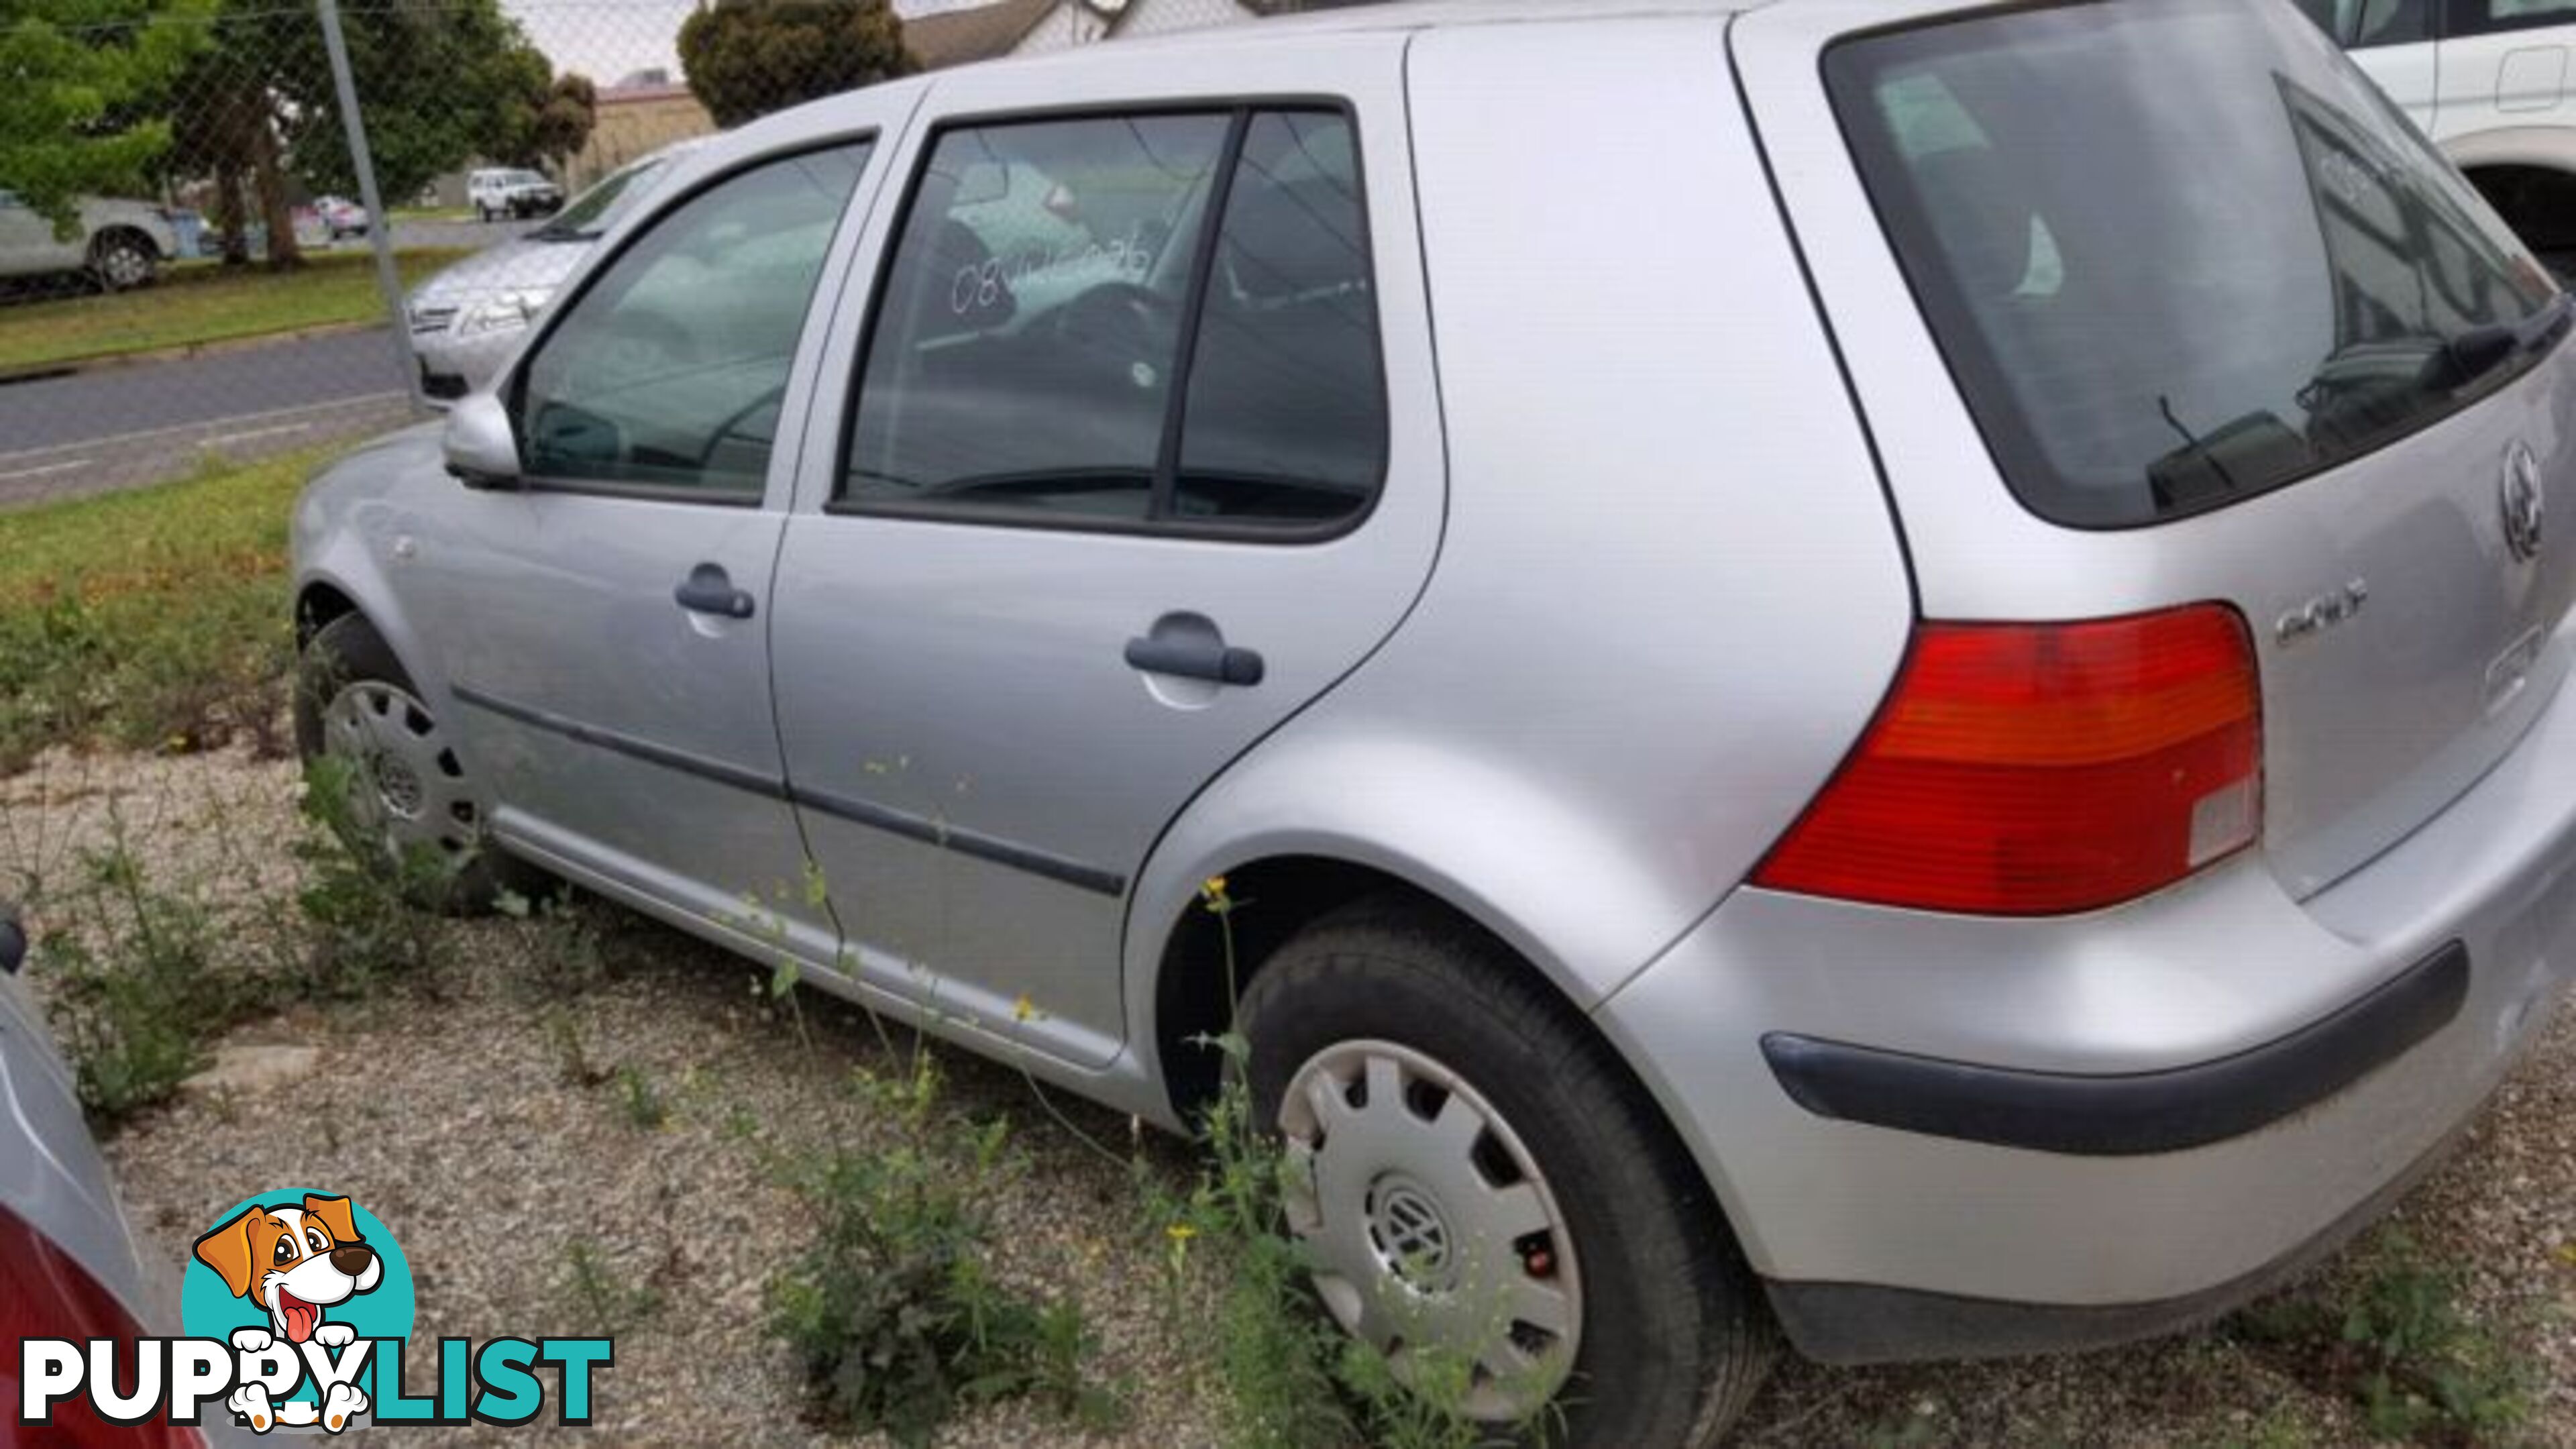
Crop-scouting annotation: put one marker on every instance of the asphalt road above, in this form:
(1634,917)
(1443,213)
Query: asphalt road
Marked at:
(127,426)
(124,427)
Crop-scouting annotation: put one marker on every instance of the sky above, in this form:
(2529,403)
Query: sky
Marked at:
(609,39)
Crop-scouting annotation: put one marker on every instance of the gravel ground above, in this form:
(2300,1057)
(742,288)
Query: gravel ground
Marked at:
(480,1113)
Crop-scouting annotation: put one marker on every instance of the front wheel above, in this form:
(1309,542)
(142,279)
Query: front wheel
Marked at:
(1487,1197)
(410,805)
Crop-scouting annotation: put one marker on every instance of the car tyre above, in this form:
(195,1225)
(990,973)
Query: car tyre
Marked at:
(122,261)
(408,785)
(1670,1335)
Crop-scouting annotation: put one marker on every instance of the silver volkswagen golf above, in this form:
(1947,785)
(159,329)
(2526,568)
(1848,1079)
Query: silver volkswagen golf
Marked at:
(1863,677)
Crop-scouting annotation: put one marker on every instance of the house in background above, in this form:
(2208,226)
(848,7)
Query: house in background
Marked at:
(642,113)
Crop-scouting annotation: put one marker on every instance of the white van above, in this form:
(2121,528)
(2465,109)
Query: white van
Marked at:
(2490,82)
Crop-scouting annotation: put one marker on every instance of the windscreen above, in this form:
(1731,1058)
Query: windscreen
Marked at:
(595,210)
(2178,254)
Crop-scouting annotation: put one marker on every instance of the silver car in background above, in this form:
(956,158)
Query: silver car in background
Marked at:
(466,320)
(1941,727)
(117,244)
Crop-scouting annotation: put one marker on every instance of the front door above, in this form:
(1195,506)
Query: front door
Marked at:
(1123,489)
(608,620)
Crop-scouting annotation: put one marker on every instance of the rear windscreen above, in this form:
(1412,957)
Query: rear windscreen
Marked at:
(2180,253)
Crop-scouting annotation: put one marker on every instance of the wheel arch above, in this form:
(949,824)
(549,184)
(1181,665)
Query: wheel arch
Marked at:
(325,594)
(2528,174)
(102,238)
(1272,898)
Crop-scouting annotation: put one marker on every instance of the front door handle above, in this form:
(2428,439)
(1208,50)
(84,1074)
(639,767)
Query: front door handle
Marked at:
(1195,657)
(709,590)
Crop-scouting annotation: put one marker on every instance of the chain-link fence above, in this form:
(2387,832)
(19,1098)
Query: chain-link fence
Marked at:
(235,230)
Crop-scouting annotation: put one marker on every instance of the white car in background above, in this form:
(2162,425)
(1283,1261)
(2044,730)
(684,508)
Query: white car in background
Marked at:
(120,244)
(466,320)
(499,193)
(2490,82)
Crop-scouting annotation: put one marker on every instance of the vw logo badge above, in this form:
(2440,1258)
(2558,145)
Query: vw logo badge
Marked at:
(2523,502)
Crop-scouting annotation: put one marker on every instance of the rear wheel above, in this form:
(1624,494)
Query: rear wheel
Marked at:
(122,261)
(1487,1197)
(410,803)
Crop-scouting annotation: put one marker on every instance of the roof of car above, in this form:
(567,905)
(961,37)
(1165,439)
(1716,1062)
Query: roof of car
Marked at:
(787,127)
(1404,15)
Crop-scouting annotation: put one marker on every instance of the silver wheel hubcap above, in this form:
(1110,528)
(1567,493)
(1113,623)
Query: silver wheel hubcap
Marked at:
(1433,1234)
(125,266)
(407,788)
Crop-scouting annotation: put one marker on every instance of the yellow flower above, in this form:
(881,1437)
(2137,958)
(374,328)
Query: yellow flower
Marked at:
(1023,1009)
(1180,1232)
(1214,885)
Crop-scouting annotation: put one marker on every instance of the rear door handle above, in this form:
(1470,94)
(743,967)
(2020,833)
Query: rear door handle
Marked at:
(1195,657)
(709,590)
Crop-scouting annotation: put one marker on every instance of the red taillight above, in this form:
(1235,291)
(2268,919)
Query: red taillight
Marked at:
(44,1294)
(2039,769)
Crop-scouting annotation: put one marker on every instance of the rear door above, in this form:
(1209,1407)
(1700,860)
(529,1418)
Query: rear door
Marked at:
(2505,63)
(2266,349)
(1138,455)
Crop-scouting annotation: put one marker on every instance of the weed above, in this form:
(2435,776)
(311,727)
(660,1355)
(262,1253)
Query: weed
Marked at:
(645,1110)
(2400,1348)
(365,930)
(1290,1379)
(572,1062)
(573,942)
(146,974)
(895,1320)
(136,991)
(602,1300)
(1918,1429)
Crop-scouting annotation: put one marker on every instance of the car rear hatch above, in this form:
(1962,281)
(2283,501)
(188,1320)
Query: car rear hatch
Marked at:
(2157,305)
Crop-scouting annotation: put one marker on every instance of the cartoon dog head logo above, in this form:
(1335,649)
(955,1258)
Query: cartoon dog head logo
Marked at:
(293,1260)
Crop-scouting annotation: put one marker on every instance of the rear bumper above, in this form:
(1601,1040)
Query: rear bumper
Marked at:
(2131,1114)
(1973,1136)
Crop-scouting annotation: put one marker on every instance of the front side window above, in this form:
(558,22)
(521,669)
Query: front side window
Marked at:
(1060,338)
(668,371)
(2155,309)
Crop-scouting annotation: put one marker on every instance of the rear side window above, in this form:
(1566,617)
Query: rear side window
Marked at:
(1128,321)
(2363,23)
(2479,17)
(2154,309)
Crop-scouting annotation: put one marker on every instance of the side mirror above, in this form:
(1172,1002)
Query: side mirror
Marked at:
(481,452)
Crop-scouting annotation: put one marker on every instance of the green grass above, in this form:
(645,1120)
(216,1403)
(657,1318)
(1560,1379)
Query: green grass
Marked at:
(203,302)
(156,618)
(434,213)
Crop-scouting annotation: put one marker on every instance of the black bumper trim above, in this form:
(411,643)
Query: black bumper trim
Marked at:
(1863,1323)
(2132,1114)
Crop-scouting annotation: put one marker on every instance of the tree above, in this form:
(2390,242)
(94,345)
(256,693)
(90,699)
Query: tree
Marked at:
(746,58)
(72,114)
(553,122)
(438,85)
